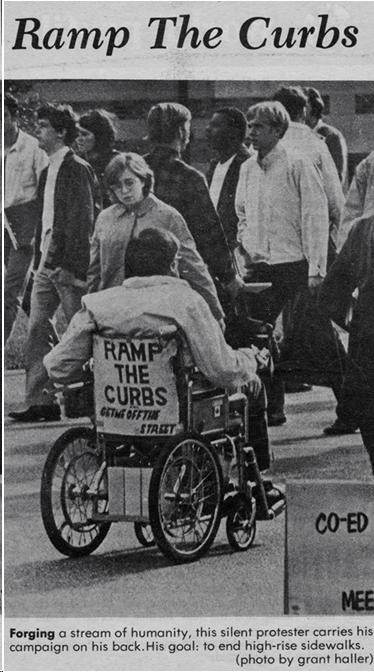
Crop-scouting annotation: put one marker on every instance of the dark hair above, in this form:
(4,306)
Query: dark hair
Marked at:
(101,125)
(11,103)
(61,118)
(293,98)
(316,103)
(236,121)
(164,120)
(133,162)
(150,253)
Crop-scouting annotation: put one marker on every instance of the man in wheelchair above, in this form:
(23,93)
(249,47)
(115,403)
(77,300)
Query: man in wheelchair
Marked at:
(152,297)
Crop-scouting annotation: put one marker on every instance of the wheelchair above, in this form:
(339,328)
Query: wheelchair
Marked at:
(168,452)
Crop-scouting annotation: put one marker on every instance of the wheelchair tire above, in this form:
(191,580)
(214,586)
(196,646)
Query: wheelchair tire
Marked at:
(241,525)
(66,509)
(185,498)
(144,534)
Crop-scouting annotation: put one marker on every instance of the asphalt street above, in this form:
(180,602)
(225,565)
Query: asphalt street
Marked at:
(123,579)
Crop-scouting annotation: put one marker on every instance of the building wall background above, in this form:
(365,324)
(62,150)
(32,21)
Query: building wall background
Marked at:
(350,105)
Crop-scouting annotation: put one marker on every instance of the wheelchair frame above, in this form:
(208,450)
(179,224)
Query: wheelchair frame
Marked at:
(175,490)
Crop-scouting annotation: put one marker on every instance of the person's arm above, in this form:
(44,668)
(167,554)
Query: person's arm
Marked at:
(314,219)
(354,204)
(334,191)
(206,228)
(335,294)
(79,220)
(240,205)
(337,147)
(192,267)
(94,268)
(222,365)
(64,362)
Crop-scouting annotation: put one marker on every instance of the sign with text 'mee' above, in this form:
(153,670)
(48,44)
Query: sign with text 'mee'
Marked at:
(330,548)
(135,386)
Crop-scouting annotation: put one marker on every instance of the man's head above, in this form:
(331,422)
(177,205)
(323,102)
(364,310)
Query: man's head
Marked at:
(169,124)
(294,100)
(227,128)
(267,123)
(10,116)
(152,252)
(315,106)
(57,127)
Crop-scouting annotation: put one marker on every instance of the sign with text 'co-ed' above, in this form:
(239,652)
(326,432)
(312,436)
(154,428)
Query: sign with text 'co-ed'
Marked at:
(330,548)
(135,386)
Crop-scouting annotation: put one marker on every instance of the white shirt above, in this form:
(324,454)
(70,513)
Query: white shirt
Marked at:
(282,210)
(360,197)
(301,138)
(55,161)
(24,163)
(219,175)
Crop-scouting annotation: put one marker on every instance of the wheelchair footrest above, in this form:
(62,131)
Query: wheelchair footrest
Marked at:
(272,511)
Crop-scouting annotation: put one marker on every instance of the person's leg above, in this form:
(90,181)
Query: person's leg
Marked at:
(258,431)
(367,433)
(44,303)
(18,264)
(70,298)
(344,423)
(286,280)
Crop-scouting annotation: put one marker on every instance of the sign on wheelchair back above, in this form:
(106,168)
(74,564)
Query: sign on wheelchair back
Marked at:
(330,548)
(135,386)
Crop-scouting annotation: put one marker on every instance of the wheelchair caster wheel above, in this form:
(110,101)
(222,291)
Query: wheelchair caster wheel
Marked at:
(241,525)
(144,534)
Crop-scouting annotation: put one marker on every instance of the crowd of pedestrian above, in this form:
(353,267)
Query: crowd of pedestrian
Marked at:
(274,208)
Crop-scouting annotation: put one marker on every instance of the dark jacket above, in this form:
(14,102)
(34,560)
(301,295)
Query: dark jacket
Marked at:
(354,270)
(226,203)
(75,208)
(337,147)
(185,188)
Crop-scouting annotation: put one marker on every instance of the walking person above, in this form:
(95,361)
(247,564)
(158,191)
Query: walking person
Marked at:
(95,144)
(66,217)
(353,273)
(24,161)
(130,180)
(185,189)
(282,211)
(334,139)
(226,132)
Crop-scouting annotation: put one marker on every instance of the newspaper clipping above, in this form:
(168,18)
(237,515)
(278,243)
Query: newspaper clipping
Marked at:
(188,335)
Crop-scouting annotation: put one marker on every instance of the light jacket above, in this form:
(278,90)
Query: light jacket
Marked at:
(115,227)
(136,308)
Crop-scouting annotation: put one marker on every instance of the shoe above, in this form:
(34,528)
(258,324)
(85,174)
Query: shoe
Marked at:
(273,496)
(339,427)
(45,412)
(293,387)
(276,419)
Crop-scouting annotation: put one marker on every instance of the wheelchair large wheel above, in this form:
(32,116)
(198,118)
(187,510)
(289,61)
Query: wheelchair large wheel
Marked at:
(241,524)
(144,534)
(185,498)
(67,503)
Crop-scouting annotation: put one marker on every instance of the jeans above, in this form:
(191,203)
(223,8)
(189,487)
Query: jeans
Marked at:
(47,294)
(17,265)
(286,280)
